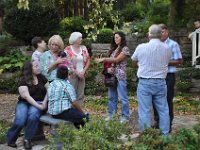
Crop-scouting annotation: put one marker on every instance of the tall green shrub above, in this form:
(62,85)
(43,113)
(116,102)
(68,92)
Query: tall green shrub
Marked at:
(71,24)
(37,21)
(105,35)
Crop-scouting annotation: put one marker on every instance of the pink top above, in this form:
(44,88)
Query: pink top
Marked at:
(72,56)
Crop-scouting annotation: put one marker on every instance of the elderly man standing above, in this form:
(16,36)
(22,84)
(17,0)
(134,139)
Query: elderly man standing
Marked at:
(176,59)
(152,59)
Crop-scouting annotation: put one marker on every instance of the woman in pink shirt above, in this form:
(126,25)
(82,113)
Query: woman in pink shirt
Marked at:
(79,61)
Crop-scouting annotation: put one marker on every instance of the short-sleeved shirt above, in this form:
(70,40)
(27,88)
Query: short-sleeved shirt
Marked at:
(176,53)
(153,59)
(36,56)
(61,95)
(46,60)
(120,68)
(78,61)
(37,92)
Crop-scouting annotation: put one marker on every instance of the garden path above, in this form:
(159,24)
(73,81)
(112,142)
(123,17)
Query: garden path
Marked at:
(7,107)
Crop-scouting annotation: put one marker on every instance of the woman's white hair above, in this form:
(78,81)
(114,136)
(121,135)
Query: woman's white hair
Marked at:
(74,37)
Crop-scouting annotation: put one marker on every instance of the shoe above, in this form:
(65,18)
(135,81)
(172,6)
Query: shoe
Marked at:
(27,145)
(12,145)
(108,118)
(124,120)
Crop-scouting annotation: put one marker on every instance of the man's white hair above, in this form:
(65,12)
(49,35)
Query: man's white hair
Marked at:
(155,31)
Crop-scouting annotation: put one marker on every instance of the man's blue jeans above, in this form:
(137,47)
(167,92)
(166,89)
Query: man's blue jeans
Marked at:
(153,90)
(26,116)
(113,93)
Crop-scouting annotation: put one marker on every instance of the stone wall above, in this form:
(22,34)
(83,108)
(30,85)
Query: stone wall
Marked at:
(132,41)
(181,37)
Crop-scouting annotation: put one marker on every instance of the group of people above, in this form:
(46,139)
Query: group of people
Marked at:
(55,79)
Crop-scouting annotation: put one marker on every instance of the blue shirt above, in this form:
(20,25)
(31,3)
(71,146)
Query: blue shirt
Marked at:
(46,60)
(61,95)
(176,53)
(153,58)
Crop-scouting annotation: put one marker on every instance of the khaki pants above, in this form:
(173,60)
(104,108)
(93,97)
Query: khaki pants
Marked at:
(79,86)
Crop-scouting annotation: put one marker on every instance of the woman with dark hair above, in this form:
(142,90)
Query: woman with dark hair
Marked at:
(32,87)
(118,55)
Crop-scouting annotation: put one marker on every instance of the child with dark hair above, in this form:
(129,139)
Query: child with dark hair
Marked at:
(62,54)
(39,45)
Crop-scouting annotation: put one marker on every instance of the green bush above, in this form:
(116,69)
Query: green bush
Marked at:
(105,35)
(9,85)
(37,21)
(185,76)
(4,125)
(97,134)
(13,61)
(157,13)
(71,24)
(132,12)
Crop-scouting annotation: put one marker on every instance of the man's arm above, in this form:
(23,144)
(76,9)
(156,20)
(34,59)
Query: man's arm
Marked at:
(175,62)
(76,105)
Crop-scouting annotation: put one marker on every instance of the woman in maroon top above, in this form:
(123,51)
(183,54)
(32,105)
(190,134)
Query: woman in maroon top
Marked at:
(32,87)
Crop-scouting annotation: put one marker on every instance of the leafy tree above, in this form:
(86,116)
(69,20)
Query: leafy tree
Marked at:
(37,21)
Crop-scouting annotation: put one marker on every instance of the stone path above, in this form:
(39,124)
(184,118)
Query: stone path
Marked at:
(179,122)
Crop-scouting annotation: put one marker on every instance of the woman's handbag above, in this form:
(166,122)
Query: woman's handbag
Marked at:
(109,79)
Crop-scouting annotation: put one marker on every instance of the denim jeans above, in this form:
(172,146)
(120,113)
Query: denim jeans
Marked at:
(113,93)
(26,116)
(153,90)
(73,115)
(170,81)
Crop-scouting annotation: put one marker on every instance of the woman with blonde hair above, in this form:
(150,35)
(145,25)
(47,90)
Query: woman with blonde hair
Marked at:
(50,59)
(79,63)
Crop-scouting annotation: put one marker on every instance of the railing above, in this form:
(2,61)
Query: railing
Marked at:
(196,48)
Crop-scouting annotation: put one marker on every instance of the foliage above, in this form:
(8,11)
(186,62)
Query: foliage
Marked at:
(4,125)
(23,4)
(185,76)
(105,35)
(37,21)
(157,13)
(187,105)
(13,61)
(6,42)
(98,16)
(71,24)
(94,80)
(132,12)
(97,134)
(94,83)
(9,84)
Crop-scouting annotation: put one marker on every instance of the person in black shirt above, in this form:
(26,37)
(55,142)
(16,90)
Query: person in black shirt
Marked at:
(32,87)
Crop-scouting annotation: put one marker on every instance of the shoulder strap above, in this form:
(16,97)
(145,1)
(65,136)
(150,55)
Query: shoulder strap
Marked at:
(66,92)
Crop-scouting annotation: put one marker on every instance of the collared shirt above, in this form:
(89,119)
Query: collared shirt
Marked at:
(176,53)
(153,58)
(36,56)
(61,94)
(46,60)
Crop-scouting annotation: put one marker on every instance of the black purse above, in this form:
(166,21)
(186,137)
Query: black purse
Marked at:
(110,80)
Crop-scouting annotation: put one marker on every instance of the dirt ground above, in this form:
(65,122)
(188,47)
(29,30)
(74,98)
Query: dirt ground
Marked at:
(7,106)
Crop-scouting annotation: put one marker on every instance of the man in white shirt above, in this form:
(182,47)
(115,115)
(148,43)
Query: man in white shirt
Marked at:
(152,59)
